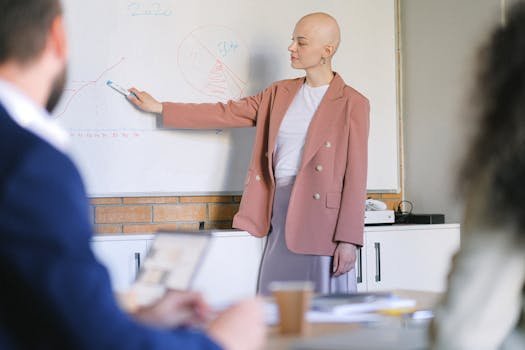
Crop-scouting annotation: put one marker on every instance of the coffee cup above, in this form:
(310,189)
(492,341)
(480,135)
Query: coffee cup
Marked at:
(293,301)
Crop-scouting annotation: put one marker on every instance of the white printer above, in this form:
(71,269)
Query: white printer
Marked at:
(378,217)
(376,213)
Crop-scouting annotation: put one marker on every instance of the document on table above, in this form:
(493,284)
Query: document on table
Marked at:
(347,308)
(352,303)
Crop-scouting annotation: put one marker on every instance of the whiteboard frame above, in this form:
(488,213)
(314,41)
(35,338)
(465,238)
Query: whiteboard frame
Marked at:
(398,141)
(399,107)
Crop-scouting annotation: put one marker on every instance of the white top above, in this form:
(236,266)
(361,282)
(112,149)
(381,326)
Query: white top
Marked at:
(484,299)
(483,307)
(32,117)
(292,133)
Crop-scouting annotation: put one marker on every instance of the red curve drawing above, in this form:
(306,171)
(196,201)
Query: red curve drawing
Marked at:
(88,83)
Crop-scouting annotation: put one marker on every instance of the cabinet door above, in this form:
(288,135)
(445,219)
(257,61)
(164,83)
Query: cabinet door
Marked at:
(417,259)
(122,258)
(230,269)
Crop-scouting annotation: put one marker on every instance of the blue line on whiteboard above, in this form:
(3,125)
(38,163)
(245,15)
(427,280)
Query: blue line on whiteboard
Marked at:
(143,8)
(211,74)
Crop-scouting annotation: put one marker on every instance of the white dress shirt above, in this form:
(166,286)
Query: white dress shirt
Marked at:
(32,117)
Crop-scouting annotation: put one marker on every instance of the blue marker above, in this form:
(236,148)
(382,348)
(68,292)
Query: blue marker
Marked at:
(120,89)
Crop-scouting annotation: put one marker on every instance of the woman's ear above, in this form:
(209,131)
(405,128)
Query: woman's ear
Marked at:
(328,51)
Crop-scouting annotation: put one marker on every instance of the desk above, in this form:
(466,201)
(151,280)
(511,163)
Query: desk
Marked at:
(424,300)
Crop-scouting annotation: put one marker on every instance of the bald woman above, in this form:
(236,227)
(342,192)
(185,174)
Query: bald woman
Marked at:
(306,183)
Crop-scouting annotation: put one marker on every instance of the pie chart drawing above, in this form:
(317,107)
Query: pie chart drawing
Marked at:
(214,61)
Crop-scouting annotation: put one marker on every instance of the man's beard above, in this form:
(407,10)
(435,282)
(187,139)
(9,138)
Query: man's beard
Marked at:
(57,88)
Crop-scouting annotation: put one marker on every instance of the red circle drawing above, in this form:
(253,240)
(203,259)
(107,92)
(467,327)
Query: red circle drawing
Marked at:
(214,61)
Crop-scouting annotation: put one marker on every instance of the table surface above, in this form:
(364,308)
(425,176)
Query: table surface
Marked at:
(276,341)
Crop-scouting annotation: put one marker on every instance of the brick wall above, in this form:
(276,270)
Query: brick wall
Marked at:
(133,215)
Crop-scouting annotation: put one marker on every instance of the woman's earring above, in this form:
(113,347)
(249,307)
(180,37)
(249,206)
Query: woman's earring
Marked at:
(323,60)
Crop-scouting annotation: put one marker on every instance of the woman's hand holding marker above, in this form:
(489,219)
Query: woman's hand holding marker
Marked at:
(144,101)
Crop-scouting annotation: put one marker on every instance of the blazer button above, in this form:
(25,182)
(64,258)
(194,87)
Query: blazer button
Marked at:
(319,168)
(258,178)
(266,154)
(317,196)
(328,144)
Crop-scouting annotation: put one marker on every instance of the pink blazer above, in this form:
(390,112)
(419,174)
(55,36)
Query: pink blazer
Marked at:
(328,199)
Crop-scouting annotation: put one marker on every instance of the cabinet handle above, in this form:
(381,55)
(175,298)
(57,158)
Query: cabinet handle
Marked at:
(377,247)
(359,266)
(137,264)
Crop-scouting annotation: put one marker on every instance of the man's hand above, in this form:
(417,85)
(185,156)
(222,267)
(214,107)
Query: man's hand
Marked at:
(145,101)
(240,327)
(344,258)
(175,309)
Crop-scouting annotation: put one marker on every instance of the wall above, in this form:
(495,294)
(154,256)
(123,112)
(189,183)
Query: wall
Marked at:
(439,40)
(131,215)
(135,215)
(439,44)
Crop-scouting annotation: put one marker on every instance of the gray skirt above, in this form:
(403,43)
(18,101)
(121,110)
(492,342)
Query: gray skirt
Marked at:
(280,264)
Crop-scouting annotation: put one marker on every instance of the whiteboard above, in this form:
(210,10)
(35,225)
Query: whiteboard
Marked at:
(207,51)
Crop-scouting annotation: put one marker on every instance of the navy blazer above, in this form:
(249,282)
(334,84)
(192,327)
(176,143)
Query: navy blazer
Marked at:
(54,294)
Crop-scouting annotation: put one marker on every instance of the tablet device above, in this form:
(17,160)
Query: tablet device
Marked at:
(172,262)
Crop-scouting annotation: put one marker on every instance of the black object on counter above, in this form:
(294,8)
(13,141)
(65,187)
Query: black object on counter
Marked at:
(425,219)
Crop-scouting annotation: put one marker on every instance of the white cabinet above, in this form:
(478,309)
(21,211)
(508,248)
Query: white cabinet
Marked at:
(393,257)
(413,257)
(122,256)
(231,267)
(228,272)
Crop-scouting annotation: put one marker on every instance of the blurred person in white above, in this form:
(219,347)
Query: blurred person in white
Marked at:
(483,307)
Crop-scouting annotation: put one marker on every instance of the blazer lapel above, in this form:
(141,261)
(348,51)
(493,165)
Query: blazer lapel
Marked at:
(282,103)
(328,112)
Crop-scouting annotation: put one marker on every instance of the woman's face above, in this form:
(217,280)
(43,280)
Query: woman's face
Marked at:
(306,49)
